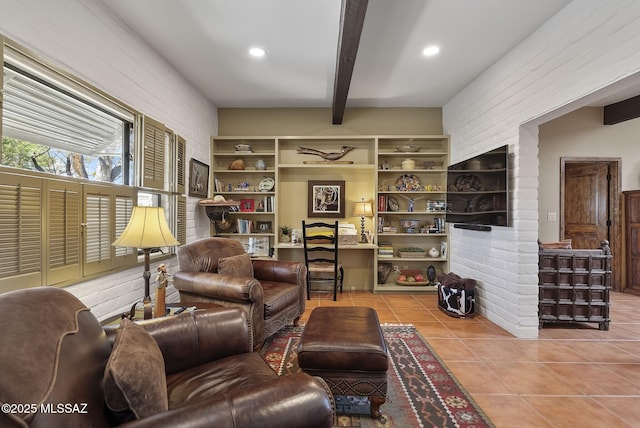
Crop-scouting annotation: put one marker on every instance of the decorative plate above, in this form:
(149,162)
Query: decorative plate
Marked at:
(266,184)
(409,182)
(393,204)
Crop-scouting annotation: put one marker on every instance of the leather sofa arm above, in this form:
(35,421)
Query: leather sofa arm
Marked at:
(191,339)
(280,271)
(298,400)
(218,286)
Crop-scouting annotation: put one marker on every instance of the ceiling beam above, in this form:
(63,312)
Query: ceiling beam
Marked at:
(621,111)
(351,23)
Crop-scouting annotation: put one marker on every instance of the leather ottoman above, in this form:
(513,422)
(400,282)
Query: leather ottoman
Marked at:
(346,348)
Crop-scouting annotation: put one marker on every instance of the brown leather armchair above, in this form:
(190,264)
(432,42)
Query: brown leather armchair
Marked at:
(55,358)
(273,296)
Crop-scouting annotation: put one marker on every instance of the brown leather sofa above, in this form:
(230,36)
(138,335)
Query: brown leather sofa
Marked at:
(58,368)
(271,292)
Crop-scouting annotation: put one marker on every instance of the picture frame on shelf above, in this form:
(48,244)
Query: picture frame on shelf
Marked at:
(326,198)
(198,179)
(247,205)
(264,227)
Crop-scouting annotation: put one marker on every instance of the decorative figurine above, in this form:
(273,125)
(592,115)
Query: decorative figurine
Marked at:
(324,155)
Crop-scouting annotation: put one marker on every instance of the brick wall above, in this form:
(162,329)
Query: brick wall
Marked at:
(587,46)
(83,38)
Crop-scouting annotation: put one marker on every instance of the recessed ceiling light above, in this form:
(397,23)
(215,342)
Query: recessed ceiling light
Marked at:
(430,50)
(257,52)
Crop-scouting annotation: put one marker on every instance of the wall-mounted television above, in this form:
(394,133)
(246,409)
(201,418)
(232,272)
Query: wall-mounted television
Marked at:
(478,191)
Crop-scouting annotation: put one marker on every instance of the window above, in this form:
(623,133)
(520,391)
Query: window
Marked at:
(53,124)
(69,160)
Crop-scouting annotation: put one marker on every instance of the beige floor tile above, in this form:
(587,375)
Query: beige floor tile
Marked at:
(572,412)
(510,411)
(594,379)
(533,379)
(478,377)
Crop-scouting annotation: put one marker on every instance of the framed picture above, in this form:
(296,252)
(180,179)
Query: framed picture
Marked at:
(247,205)
(263,227)
(326,198)
(198,179)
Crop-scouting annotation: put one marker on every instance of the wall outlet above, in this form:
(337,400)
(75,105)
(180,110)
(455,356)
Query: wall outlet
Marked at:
(551,216)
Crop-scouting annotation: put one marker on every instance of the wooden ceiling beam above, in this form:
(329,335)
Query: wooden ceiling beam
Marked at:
(351,23)
(621,111)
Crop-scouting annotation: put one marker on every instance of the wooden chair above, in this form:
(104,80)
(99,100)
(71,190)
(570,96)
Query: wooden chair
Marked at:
(320,242)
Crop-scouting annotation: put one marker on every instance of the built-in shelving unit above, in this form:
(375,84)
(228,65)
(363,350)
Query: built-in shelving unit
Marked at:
(401,185)
(254,223)
(411,202)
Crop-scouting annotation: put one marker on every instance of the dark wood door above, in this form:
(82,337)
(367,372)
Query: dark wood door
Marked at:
(632,232)
(586,204)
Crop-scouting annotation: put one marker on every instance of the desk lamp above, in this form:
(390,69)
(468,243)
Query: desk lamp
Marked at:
(147,229)
(363,209)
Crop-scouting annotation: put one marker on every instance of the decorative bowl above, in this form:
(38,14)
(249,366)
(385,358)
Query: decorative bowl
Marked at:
(409,224)
(408,148)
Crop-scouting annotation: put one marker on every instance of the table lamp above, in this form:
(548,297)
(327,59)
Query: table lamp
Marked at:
(363,209)
(147,229)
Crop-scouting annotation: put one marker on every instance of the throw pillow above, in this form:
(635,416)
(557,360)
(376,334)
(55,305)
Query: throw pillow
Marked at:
(134,383)
(239,266)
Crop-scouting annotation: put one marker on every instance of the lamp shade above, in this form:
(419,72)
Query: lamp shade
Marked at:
(363,209)
(147,228)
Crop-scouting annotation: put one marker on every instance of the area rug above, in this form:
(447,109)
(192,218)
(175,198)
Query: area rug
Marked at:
(421,390)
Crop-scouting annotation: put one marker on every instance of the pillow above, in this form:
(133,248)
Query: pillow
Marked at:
(238,266)
(135,383)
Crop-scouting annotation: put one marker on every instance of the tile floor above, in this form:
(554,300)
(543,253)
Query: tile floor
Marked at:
(568,377)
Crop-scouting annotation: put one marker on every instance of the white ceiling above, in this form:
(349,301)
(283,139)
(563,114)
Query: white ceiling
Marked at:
(207,42)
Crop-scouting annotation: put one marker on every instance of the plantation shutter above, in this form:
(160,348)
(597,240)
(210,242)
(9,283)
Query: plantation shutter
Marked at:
(181,227)
(20,232)
(181,150)
(124,202)
(98,230)
(153,149)
(63,232)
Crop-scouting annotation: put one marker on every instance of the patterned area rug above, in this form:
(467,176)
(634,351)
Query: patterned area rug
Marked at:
(421,391)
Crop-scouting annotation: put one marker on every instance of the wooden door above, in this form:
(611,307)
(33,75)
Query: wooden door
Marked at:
(590,207)
(586,204)
(632,225)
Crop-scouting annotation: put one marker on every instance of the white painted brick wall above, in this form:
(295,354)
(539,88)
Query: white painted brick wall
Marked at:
(83,38)
(587,46)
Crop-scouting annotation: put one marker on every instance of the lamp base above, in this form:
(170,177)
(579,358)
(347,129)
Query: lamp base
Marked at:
(147,307)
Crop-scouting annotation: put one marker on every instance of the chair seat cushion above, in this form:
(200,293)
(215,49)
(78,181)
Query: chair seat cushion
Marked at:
(279,296)
(218,377)
(322,267)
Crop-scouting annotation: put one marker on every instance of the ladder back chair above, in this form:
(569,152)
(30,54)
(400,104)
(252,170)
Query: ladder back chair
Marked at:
(320,242)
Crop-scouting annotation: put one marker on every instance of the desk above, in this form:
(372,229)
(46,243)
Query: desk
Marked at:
(358,261)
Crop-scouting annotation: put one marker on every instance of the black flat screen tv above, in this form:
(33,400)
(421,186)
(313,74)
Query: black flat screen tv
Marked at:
(478,191)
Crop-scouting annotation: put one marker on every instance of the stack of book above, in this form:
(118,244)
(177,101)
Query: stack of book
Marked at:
(244,226)
(385,250)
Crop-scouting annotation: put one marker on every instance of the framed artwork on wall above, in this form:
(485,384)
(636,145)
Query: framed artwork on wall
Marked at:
(198,179)
(326,198)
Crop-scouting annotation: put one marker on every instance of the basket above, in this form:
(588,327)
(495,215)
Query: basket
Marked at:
(412,283)
(348,239)
(412,272)
(411,254)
